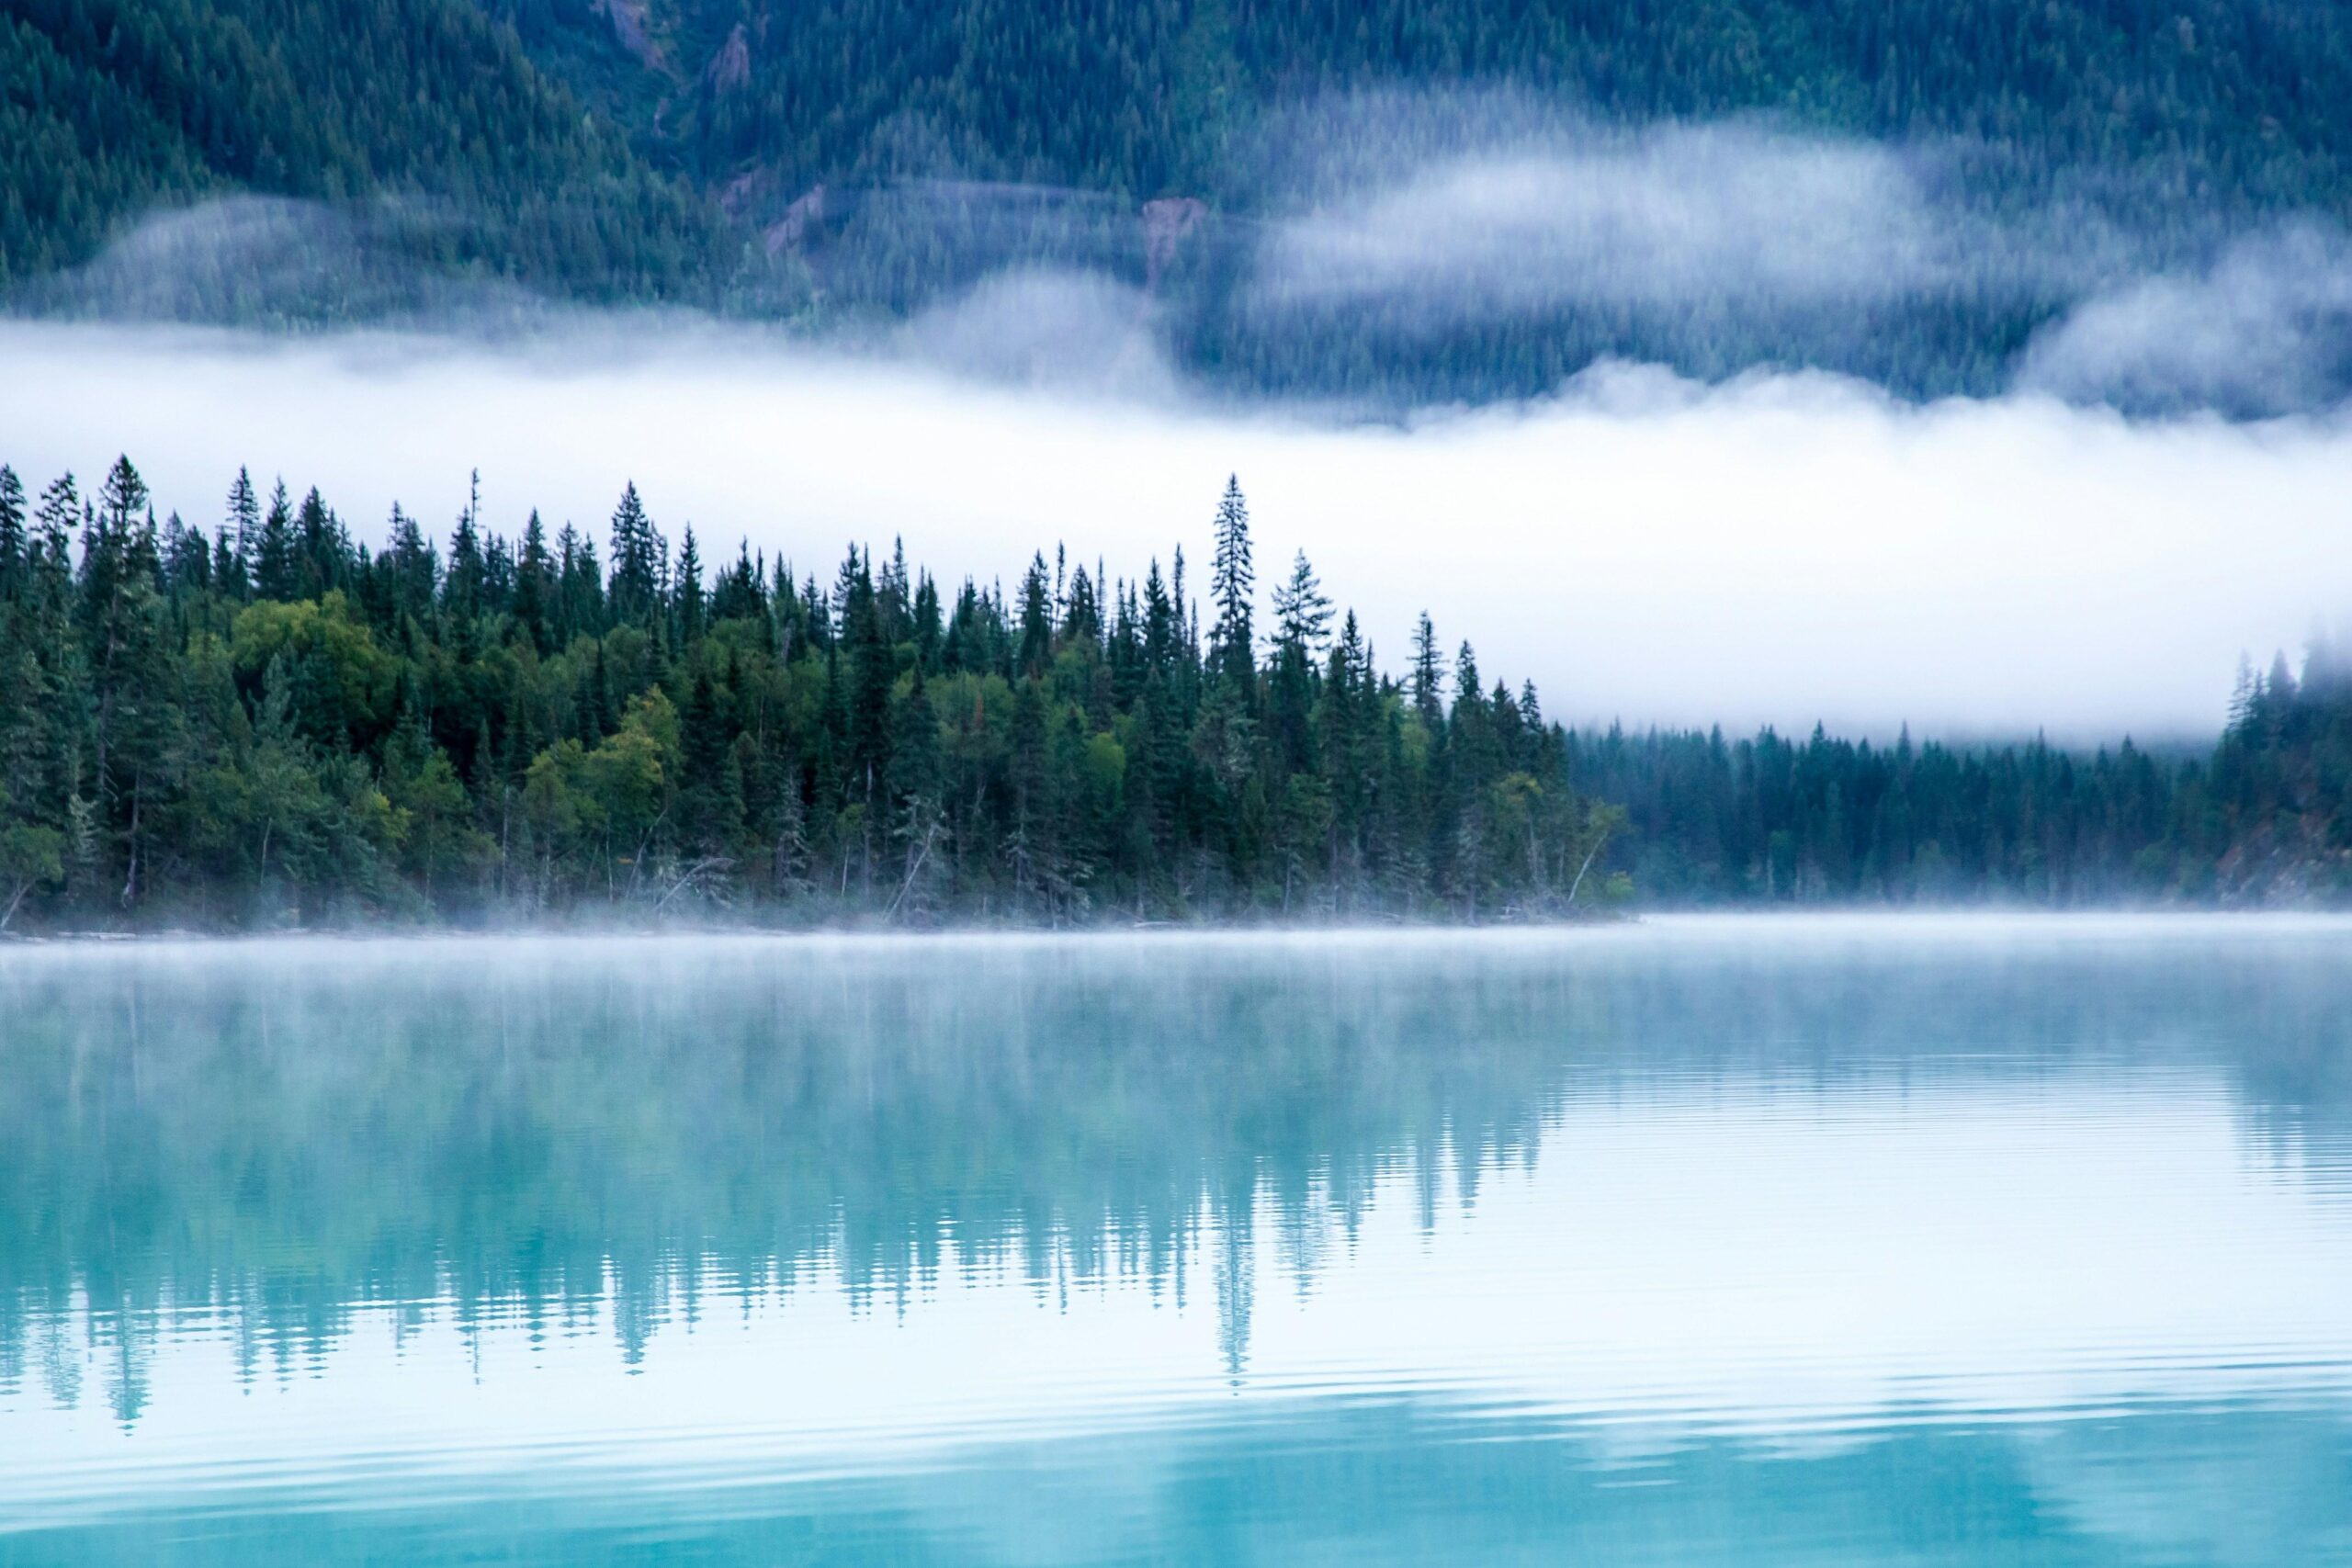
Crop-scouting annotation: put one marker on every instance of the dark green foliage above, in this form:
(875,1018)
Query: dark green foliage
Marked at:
(283,727)
(2277,809)
(1149,97)
(2266,818)
(421,118)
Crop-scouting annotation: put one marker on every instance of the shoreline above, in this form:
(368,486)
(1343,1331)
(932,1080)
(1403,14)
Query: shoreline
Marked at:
(1849,922)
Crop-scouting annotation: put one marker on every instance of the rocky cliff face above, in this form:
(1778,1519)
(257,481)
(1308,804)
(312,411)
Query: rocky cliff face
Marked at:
(631,23)
(1167,223)
(729,69)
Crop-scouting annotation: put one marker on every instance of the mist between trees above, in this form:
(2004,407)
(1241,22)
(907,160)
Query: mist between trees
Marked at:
(277,726)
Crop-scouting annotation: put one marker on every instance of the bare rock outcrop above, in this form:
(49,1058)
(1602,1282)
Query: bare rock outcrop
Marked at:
(1167,223)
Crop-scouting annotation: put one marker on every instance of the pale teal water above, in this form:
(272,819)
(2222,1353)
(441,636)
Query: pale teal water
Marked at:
(1913,1241)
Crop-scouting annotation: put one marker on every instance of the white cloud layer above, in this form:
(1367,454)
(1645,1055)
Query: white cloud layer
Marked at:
(1785,242)
(2265,329)
(1777,550)
(1700,216)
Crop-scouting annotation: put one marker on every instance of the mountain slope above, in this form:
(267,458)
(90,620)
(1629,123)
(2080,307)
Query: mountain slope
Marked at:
(422,113)
(868,161)
(2046,150)
(2228,100)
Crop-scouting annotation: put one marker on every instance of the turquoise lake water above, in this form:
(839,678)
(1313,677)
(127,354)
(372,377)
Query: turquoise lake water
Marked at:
(1899,1240)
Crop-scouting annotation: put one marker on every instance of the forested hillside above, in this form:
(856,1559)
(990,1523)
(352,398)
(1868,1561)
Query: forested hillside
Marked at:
(2230,99)
(849,165)
(421,118)
(271,723)
(901,152)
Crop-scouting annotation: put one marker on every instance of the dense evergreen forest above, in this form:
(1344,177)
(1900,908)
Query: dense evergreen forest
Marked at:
(2234,99)
(419,121)
(844,165)
(2266,815)
(273,725)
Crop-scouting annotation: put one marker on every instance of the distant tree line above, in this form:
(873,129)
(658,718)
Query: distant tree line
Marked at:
(2267,815)
(275,725)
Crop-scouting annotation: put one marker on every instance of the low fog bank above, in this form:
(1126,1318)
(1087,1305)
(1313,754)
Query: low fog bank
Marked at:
(1494,220)
(1779,548)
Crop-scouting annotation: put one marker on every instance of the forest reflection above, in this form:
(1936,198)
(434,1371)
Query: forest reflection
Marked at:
(265,1141)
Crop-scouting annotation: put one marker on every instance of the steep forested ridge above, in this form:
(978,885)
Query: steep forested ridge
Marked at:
(276,725)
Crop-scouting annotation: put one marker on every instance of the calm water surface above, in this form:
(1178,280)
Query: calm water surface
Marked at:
(1895,1240)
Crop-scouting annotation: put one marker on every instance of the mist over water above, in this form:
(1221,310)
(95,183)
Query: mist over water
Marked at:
(1032,1249)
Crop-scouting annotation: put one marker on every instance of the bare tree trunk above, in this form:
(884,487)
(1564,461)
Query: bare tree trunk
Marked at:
(693,874)
(914,869)
(131,879)
(1582,869)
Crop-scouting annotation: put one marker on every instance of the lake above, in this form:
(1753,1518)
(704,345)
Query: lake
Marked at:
(1754,1240)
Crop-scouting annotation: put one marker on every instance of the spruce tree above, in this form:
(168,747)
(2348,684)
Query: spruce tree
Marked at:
(462,592)
(276,573)
(535,585)
(1429,672)
(12,531)
(687,598)
(1302,614)
(1232,586)
(638,558)
(1036,618)
(320,548)
(244,519)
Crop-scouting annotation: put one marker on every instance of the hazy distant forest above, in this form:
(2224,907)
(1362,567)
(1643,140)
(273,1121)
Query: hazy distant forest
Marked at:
(851,163)
(274,724)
